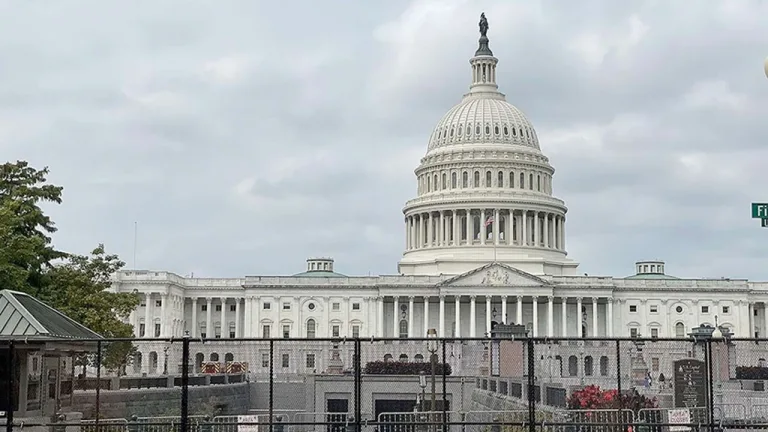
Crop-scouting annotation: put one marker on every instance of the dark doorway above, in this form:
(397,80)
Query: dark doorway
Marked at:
(402,423)
(494,324)
(337,410)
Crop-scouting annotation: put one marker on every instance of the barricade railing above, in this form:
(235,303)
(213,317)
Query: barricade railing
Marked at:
(536,377)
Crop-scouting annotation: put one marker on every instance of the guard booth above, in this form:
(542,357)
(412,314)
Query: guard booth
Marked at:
(38,345)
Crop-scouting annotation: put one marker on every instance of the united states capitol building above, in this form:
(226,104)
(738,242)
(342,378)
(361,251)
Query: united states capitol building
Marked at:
(485,243)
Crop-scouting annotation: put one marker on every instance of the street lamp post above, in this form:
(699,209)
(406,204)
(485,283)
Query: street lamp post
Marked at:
(165,360)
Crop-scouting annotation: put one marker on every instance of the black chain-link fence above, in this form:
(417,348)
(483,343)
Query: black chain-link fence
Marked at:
(385,385)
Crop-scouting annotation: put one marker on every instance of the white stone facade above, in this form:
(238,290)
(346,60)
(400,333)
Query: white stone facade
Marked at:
(485,242)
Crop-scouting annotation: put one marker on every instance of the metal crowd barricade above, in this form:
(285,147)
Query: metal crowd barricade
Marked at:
(651,416)
(510,417)
(105,425)
(337,422)
(168,423)
(416,421)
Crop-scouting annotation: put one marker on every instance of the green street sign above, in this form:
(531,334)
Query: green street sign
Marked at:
(759,210)
(765,222)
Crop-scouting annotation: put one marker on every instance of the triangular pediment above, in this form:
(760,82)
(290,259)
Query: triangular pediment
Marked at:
(495,274)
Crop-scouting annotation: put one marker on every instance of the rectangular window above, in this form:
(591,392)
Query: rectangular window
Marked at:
(355,306)
(286,332)
(310,361)
(157,330)
(654,333)
(286,361)
(204,308)
(286,306)
(231,334)
(267,305)
(203,335)
(233,308)
(655,364)
(355,331)
(705,309)
(158,303)
(335,330)
(726,309)
(633,308)
(265,360)
(265,331)
(335,306)
(633,332)
(654,309)
(142,330)
(218,308)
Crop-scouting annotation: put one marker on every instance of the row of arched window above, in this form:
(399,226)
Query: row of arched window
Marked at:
(534,180)
(460,132)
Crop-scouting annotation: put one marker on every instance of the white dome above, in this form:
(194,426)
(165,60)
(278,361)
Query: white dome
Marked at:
(484,118)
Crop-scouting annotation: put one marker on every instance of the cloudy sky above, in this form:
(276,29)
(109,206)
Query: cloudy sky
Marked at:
(244,136)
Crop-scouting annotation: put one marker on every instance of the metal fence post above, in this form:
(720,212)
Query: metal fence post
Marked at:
(98,384)
(358,385)
(710,386)
(531,393)
(445,395)
(184,426)
(11,386)
(271,383)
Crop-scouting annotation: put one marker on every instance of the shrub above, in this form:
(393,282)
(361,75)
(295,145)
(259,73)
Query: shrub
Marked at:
(592,397)
(404,368)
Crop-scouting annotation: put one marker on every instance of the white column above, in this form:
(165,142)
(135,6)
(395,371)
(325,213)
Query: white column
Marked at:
(193,327)
(426,316)
(238,332)
(457,315)
(562,233)
(496,223)
(609,322)
(395,317)
(441,234)
(564,317)
(535,228)
(487,315)
(524,228)
(256,330)
(546,230)
(580,317)
(209,318)
(410,316)
(455,228)
(163,320)
(223,328)
(469,227)
(519,310)
(247,316)
(380,313)
(594,317)
(483,229)
(550,317)
(472,317)
(535,316)
(504,307)
(148,324)
(441,322)
(430,229)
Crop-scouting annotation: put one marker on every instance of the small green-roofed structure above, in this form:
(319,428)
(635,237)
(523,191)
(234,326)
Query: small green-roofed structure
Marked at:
(38,345)
(23,316)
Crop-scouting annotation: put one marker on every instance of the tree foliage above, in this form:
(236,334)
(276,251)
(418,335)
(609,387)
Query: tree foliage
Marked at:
(77,285)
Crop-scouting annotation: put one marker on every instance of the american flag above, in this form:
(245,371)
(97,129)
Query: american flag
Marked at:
(488,221)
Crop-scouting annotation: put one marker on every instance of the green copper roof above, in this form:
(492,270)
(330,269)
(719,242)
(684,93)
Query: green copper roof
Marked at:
(23,316)
(655,276)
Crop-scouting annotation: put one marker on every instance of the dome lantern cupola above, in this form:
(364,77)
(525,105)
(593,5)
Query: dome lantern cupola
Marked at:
(483,63)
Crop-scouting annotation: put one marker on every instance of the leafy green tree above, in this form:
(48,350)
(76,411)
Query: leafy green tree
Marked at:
(76,285)
(26,252)
(80,288)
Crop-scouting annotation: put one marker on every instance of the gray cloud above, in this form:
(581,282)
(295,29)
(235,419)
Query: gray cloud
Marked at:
(247,136)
